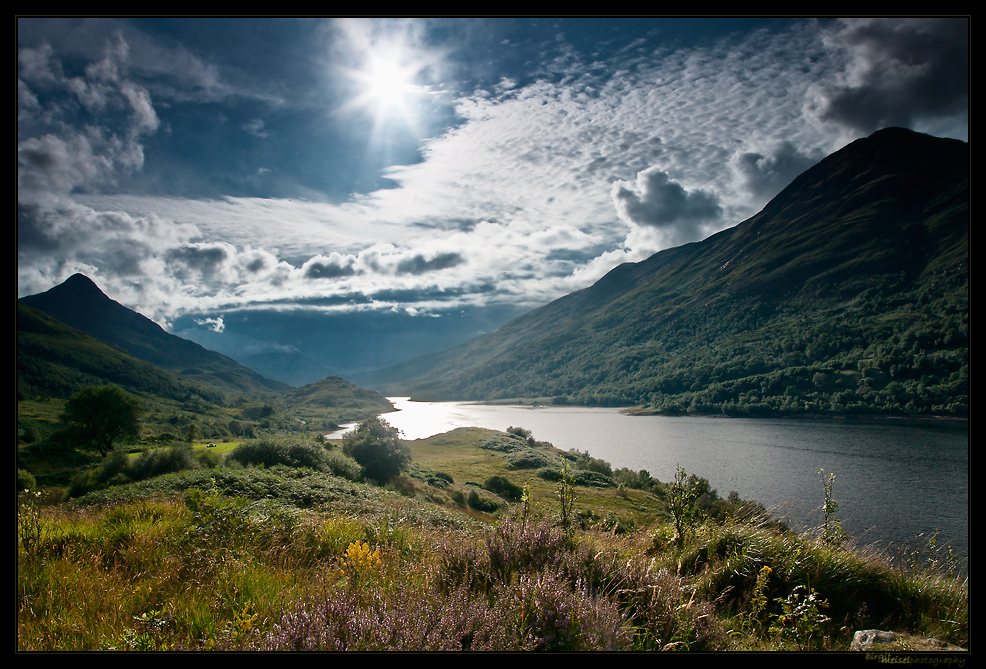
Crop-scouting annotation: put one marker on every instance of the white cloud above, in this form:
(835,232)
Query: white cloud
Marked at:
(538,189)
(213,324)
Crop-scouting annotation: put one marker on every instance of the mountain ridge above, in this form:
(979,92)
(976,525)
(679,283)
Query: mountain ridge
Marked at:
(867,247)
(56,359)
(79,303)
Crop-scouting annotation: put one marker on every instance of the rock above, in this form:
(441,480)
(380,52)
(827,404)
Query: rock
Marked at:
(865,639)
(892,641)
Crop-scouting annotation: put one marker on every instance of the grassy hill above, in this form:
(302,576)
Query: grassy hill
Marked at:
(221,556)
(55,360)
(847,293)
(334,397)
(187,391)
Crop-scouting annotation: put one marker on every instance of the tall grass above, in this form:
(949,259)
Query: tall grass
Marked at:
(226,566)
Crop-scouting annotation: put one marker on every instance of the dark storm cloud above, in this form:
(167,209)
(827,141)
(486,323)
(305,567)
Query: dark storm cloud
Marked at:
(203,258)
(656,200)
(418,264)
(899,71)
(327,270)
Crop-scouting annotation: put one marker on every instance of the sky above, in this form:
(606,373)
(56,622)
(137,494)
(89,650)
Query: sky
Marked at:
(286,184)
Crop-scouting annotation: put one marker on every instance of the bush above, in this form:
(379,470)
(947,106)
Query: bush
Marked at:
(503,487)
(592,479)
(342,465)
(628,478)
(25,480)
(482,503)
(375,445)
(117,468)
(580,477)
(269,453)
(176,458)
(584,461)
(530,459)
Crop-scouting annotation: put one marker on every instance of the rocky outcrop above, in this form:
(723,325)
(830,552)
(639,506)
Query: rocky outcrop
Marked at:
(892,641)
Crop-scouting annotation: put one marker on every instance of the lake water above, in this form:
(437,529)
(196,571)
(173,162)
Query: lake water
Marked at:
(895,482)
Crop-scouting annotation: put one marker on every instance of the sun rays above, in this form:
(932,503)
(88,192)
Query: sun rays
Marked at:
(388,78)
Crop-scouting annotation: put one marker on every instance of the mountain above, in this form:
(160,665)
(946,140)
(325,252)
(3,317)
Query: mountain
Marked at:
(78,302)
(55,360)
(847,293)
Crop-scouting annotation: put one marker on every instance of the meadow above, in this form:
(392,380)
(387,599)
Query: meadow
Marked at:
(488,541)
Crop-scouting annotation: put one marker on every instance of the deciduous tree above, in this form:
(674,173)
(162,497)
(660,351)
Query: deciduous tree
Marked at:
(377,447)
(104,415)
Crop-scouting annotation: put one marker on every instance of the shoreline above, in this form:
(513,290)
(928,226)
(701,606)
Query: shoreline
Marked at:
(929,420)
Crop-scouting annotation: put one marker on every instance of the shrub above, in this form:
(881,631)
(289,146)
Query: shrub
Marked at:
(268,453)
(340,464)
(375,445)
(113,470)
(592,479)
(584,461)
(628,478)
(175,458)
(481,502)
(530,459)
(581,477)
(553,616)
(503,487)
(522,548)
(25,480)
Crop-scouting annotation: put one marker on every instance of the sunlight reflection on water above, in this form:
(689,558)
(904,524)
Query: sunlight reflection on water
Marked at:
(894,481)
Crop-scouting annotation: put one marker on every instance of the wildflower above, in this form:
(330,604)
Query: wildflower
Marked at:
(359,559)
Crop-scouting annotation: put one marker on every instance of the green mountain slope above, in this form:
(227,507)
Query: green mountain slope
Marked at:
(119,346)
(847,293)
(337,393)
(55,360)
(79,303)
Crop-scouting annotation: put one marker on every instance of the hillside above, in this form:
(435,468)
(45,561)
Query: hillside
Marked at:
(55,360)
(172,375)
(79,303)
(847,293)
(484,544)
(347,400)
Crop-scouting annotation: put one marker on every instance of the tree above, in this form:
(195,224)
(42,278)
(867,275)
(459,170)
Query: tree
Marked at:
(377,447)
(104,415)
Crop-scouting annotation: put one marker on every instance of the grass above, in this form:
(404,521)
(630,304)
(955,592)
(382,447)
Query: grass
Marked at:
(282,558)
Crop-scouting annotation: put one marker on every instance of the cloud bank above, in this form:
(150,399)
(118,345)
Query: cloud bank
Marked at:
(534,180)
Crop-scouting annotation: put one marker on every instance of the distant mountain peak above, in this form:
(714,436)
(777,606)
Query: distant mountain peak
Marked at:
(80,280)
(78,284)
(79,303)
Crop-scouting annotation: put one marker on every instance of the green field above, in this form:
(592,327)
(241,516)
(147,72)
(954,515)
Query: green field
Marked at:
(223,555)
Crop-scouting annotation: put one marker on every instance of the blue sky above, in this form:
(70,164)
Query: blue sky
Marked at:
(213,173)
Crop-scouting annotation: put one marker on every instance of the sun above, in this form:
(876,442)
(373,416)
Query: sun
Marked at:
(386,87)
(388,84)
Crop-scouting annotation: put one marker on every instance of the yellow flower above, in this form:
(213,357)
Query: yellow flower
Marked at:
(358,558)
